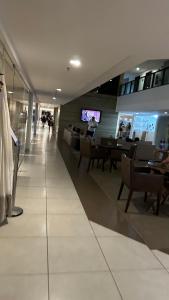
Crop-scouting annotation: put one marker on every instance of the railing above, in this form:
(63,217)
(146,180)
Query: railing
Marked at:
(149,81)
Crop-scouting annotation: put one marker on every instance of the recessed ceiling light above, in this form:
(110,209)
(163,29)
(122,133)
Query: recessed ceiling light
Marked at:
(166,113)
(10,92)
(110,79)
(59,90)
(138,69)
(54,98)
(75,63)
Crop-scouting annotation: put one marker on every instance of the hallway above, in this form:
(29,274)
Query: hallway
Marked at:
(54,252)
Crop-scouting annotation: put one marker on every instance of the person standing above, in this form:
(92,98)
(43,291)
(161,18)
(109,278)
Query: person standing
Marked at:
(92,125)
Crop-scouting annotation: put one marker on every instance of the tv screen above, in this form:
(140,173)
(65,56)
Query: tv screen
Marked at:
(87,114)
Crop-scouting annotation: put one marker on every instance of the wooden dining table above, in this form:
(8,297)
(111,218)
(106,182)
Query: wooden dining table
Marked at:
(158,166)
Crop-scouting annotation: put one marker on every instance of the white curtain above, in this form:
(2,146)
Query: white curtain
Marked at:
(6,157)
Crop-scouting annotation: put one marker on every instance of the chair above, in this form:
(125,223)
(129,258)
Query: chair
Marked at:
(91,152)
(145,152)
(132,151)
(139,182)
(115,157)
(116,154)
(108,141)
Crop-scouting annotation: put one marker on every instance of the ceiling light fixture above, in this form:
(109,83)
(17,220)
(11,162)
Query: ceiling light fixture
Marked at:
(110,79)
(166,113)
(54,98)
(10,92)
(59,90)
(75,62)
(138,69)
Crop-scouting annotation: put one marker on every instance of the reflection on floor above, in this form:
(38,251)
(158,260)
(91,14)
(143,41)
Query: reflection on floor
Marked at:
(138,223)
(53,251)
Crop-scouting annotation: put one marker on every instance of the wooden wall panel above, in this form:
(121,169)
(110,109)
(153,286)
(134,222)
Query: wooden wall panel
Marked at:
(70,113)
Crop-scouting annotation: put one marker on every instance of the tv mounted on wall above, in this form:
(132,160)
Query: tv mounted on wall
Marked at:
(87,114)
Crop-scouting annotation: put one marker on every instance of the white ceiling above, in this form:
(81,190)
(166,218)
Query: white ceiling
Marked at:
(108,36)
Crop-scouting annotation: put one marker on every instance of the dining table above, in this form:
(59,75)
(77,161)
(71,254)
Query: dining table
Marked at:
(160,167)
(108,148)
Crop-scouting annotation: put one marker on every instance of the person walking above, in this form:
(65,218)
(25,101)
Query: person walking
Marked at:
(50,122)
(43,119)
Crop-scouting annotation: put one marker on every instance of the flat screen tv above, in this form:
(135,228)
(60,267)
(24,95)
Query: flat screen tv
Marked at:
(87,114)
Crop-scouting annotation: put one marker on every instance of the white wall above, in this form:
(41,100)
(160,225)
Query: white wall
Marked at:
(154,99)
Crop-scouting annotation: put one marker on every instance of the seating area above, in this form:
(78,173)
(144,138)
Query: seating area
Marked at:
(136,162)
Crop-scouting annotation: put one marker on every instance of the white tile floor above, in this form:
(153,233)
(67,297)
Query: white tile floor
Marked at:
(53,252)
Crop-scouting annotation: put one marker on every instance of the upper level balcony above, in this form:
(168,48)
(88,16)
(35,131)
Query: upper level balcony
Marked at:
(142,83)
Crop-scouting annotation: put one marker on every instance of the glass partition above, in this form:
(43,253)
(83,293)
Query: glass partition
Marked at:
(150,80)
(17,94)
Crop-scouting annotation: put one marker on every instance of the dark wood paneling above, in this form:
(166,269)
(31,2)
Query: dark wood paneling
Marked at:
(70,113)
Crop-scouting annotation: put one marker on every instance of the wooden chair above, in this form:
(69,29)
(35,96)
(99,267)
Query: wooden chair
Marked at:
(139,182)
(91,152)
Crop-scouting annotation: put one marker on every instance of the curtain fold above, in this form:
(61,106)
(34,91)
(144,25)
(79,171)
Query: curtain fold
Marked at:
(6,157)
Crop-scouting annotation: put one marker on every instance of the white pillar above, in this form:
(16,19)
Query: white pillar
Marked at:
(36,118)
(29,123)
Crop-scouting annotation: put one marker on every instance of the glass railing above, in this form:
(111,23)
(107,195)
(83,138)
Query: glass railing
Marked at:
(149,81)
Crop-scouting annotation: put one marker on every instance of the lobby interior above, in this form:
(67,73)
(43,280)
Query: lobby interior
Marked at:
(74,239)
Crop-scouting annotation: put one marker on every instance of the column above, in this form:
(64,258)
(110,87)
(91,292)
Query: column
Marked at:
(29,123)
(36,118)
(55,119)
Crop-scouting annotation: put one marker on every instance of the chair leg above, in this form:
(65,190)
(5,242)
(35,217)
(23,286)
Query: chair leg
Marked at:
(158,203)
(79,161)
(115,165)
(111,165)
(89,164)
(92,163)
(103,165)
(164,196)
(128,200)
(145,197)
(120,190)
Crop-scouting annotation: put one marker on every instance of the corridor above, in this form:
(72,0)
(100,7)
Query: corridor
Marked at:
(54,252)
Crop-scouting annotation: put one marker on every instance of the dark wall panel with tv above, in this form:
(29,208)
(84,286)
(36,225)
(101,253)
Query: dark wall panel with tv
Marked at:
(70,113)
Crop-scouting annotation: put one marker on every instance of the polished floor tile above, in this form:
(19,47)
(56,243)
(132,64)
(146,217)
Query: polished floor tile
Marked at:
(101,231)
(60,192)
(71,254)
(123,253)
(31,182)
(25,225)
(163,258)
(31,192)
(23,287)
(32,205)
(69,225)
(143,285)
(61,183)
(83,286)
(64,206)
(23,256)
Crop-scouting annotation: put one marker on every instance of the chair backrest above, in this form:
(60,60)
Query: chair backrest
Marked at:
(127,170)
(108,141)
(116,154)
(85,147)
(132,151)
(145,152)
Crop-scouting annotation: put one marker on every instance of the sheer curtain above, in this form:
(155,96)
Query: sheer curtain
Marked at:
(6,157)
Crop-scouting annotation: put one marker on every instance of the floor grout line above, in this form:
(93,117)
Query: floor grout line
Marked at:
(47,236)
(106,260)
